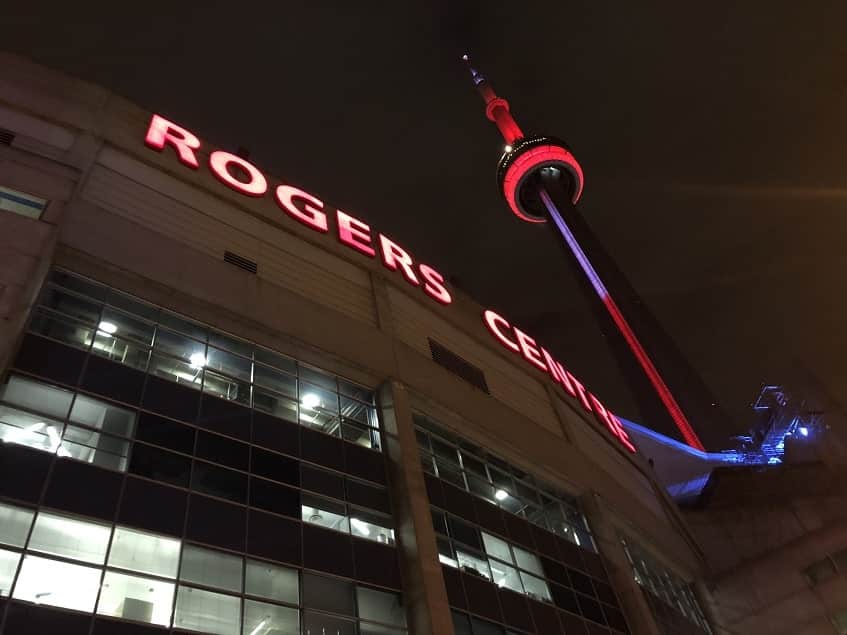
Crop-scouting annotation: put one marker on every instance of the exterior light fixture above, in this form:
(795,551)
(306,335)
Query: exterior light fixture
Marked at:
(198,360)
(107,328)
(501,494)
(310,401)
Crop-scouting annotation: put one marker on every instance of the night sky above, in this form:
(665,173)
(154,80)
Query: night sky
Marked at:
(713,138)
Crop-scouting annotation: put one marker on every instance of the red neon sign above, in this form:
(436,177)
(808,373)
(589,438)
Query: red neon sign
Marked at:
(245,178)
(519,342)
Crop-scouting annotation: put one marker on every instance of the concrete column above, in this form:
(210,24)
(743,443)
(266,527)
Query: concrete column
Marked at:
(621,577)
(427,608)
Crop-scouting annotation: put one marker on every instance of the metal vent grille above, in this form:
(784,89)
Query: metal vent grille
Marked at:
(6,137)
(458,366)
(241,262)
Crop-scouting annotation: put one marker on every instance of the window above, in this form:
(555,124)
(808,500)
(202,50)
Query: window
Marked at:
(199,610)
(14,525)
(55,583)
(145,337)
(476,471)
(325,513)
(136,598)
(271,582)
(8,566)
(22,203)
(371,526)
(260,617)
(210,568)
(379,606)
(77,539)
(144,552)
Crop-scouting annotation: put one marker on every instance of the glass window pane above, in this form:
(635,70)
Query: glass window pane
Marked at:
(61,301)
(122,351)
(272,582)
(14,525)
(360,393)
(473,564)
(199,610)
(135,598)
(219,340)
(77,539)
(497,548)
(130,305)
(505,576)
(8,567)
(380,606)
(55,583)
(360,434)
(120,324)
(262,619)
(328,594)
(144,552)
(318,378)
(528,561)
(103,416)
(22,203)
(173,369)
(275,359)
(92,447)
(229,364)
(226,387)
(197,331)
(446,555)
(358,411)
(33,431)
(274,404)
(78,284)
(371,526)
(63,329)
(320,624)
(182,347)
(323,512)
(535,587)
(319,408)
(34,395)
(275,380)
(210,568)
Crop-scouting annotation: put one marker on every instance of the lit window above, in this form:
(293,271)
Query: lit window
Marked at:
(57,583)
(371,526)
(21,203)
(135,598)
(31,430)
(143,552)
(210,568)
(273,582)
(314,623)
(77,539)
(103,416)
(497,548)
(92,447)
(472,564)
(528,561)
(326,513)
(8,566)
(535,587)
(261,618)
(14,525)
(198,610)
(33,395)
(505,576)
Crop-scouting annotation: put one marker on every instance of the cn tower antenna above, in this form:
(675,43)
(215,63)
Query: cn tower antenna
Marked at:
(528,168)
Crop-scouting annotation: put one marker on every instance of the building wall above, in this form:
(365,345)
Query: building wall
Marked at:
(141,222)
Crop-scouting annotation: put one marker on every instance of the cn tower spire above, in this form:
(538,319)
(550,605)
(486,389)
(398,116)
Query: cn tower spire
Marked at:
(528,167)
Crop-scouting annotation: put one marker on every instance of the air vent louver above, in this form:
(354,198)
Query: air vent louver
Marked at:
(6,137)
(448,359)
(241,262)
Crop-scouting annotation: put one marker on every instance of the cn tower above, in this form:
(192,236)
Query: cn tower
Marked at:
(532,168)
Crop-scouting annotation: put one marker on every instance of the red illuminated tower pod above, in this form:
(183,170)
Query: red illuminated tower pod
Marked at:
(529,162)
